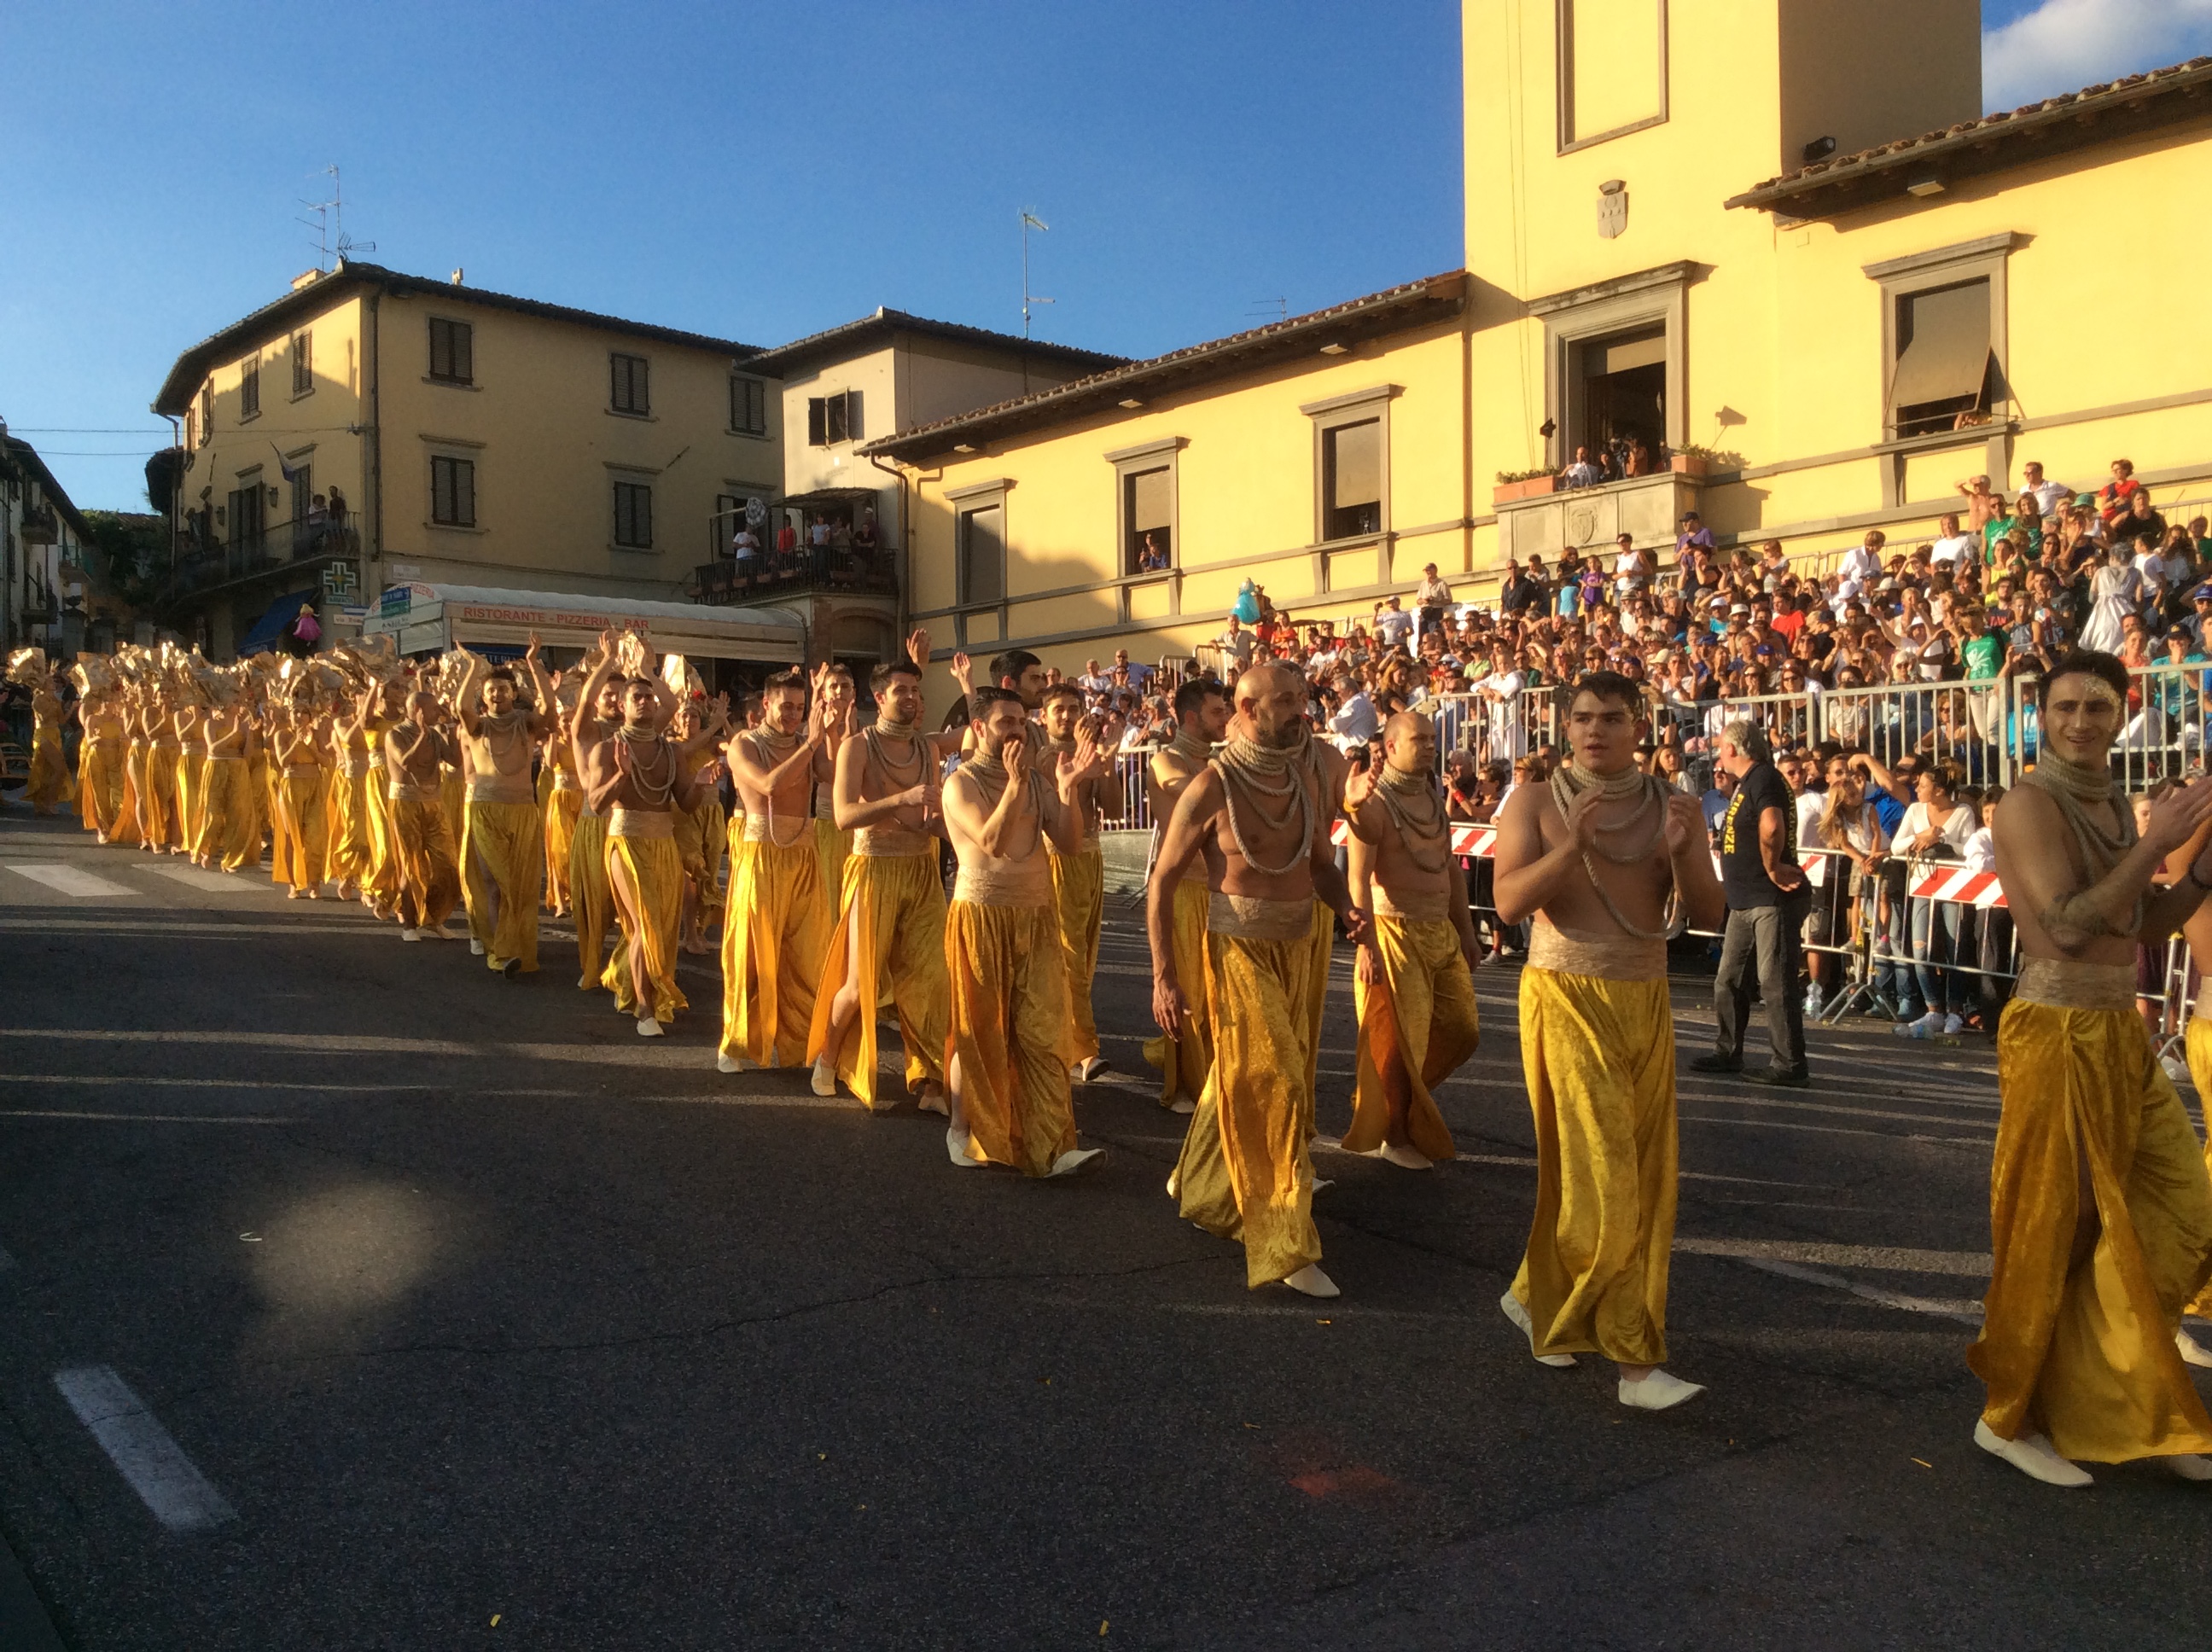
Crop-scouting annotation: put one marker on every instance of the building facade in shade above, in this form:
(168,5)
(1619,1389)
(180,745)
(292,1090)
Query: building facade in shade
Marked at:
(43,537)
(395,429)
(1776,246)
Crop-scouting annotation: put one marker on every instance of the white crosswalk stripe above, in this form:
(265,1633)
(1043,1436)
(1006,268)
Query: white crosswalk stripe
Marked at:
(67,879)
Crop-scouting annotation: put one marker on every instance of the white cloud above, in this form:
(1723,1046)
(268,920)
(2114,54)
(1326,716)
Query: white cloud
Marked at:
(2065,44)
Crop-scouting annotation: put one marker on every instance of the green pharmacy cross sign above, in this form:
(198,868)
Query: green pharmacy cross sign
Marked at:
(339,584)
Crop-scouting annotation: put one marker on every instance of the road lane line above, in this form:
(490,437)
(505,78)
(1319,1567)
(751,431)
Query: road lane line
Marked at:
(200,877)
(1893,1259)
(140,1447)
(1968,1312)
(67,879)
(143,1118)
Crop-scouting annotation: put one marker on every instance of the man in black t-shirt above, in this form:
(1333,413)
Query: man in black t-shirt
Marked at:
(1768,898)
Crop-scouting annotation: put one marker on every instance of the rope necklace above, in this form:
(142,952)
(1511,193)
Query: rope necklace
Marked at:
(1572,779)
(1399,785)
(503,735)
(901,774)
(990,776)
(1188,745)
(654,789)
(2071,785)
(770,747)
(1247,767)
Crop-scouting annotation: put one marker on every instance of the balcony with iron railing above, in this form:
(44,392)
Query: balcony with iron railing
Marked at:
(771,575)
(306,545)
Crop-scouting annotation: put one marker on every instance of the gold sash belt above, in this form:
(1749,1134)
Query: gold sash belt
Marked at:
(640,823)
(500,788)
(564,781)
(1256,918)
(1425,907)
(413,793)
(1028,884)
(1605,956)
(886,842)
(1087,845)
(301,771)
(354,765)
(2064,985)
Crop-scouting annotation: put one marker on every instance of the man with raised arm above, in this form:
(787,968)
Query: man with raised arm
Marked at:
(1079,875)
(779,917)
(592,900)
(634,777)
(421,838)
(1414,981)
(1256,816)
(890,922)
(1201,714)
(1592,856)
(1011,1036)
(2100,1209)
(502,835)
(833,692)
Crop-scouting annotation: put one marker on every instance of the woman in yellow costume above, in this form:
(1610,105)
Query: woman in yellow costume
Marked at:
(49,784)
(227,835)
(701,839)
(593,902)
(137,752)
(376,711)
(160,822)
(563,800)
(301,749)
(102,762)
(191,723)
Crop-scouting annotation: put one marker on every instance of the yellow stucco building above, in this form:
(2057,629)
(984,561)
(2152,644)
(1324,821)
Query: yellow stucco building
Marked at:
(1778,234)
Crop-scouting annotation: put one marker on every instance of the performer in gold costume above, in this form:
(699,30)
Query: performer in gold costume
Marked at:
(1079,875)
(778,915)
(1592,858)
(702,837)
(890,925)
(833,687)
(161,818)
(2100,1207)
(563,800)
(1201,712)
(593,902)
(229,835)
(298,737)
(1011,1039)
(421,837)
(502,837)
(1256,816)
(101,765)
(1414,981)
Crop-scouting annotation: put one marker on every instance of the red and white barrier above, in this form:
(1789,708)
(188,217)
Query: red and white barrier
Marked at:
(1962,886)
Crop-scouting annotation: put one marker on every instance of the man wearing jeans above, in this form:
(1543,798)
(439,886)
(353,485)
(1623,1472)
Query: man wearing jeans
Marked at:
(1767,898)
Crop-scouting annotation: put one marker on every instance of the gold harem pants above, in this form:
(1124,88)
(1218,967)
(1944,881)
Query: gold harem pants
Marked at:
(772,945)
(1010,1033)
(2084,1353)
(1079,888)
(1598,1057)
(1185,1059)
(422,844)
(502,875)
(891,930)
(1416,1025)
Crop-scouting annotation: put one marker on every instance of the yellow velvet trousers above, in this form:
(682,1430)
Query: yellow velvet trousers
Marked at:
(594,905)
(1416,1025)
(349,855)
(644,878)
(1010,1033)
(302,839)
(100,786)
(2199,1049)
(159,822)
(1185,1059)
(192,798)
(429,883)
(380,888)
(227,817)
(1079,888)
(702,837)
(1598,1057)
(891,931)
(1246,1172)
(259,772)
(1322,944)
(833,848)
(130,811)
(772,944)
(562,807)
(49,784)
(501,878)
(2081,1350)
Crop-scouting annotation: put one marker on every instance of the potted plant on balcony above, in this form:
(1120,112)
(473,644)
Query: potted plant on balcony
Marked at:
(1691,459)
(1524,484)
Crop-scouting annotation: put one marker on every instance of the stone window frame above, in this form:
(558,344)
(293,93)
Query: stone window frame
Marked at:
(975,496)
(1162,454)
(1658,296)
(1986,259)
(1353,407)
(1563,98)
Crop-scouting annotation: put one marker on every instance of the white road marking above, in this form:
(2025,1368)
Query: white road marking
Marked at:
(1894,1259)
(1970,1313)
(200,877)
(142,1450)
(143,1118)
(68,880)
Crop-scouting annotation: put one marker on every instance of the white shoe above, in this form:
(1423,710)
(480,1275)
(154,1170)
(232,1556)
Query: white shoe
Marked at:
(956,1146)
(410,934)
(1405,1158)
(1085,1072)
(2192,1351)
(731,1064)
(1519,1315)
(1311,1281)
(1182,1104)
(2031,1455)
(1953,1025)
(1323,1183)
(1813,1004)
(825,1081)
(933,1100)
(2188,1467)
(1658,1391)
(1928,1026)
(1076,1161)
(648,1028)
(476,947)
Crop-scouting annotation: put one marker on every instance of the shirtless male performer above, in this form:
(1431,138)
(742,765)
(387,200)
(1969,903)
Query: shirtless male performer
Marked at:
(503,836)
(2100,1208)
(635,778)
(1201,714)
(1592,856)
(891,917)
(422,838)
(1011,1037)
(590,898)
(1078,876)
(1256,814)
(1414,981)
(777,922)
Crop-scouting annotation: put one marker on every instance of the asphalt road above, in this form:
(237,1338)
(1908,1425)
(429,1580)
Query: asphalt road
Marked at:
(466,1318)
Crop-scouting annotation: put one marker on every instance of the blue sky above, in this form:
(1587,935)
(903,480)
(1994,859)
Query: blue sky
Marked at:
(755,171)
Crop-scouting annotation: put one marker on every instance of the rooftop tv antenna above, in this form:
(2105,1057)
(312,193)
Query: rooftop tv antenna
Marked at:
(1030,221)
(1262,307)
(329,225)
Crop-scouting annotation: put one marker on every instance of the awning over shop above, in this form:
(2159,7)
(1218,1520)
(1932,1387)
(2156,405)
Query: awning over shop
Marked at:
(271,626)
(424,616)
